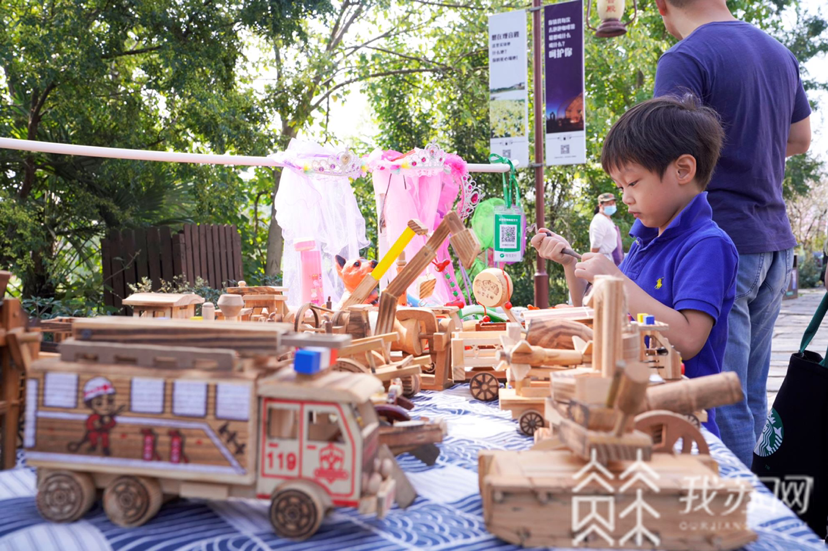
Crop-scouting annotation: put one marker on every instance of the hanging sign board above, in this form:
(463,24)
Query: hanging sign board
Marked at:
(508,91)
(509,223)
(564,60)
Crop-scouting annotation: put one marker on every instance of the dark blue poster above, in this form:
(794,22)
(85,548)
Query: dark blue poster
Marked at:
(564,75)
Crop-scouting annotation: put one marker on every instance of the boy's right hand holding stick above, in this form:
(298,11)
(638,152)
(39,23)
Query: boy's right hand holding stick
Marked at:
(689,329)
(578,269)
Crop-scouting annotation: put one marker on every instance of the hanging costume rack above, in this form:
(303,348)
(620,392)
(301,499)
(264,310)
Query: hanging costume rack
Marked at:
(311,164)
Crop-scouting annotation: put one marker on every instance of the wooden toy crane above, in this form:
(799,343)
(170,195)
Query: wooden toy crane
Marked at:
(367,286)
(463,241)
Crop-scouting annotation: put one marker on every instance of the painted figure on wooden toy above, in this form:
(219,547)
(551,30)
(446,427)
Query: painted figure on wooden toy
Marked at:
(99,396)
(352,273)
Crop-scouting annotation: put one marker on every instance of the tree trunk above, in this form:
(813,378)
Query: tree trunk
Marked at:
(275,243)
(36,281)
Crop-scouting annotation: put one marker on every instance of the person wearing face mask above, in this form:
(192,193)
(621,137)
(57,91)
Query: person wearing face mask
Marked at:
(604,236)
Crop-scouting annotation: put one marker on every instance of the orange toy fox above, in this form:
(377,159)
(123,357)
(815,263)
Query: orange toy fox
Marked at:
(352,274)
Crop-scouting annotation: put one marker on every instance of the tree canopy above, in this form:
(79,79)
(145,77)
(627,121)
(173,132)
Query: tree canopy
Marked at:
(246,76)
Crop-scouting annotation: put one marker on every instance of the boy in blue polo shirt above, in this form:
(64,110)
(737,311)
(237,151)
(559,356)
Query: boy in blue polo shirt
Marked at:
(682,266)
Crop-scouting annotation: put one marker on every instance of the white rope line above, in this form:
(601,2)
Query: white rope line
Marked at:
(171,156)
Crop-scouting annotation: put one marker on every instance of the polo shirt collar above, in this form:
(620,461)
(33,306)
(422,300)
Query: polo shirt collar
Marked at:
(697,211)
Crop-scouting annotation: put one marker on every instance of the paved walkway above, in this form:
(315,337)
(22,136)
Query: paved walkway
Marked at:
(793,319)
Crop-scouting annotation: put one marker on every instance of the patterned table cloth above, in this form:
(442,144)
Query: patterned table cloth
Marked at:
(448,514)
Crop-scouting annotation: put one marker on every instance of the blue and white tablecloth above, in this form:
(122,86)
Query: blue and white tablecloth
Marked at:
(448,514)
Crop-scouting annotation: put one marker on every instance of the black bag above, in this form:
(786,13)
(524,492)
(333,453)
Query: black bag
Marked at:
(791,457)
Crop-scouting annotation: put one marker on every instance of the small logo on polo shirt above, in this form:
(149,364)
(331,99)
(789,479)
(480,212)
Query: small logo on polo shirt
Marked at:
(659,283)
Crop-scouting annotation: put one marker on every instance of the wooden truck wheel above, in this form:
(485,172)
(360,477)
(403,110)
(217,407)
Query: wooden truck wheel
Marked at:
(666,428)
(530,421)
(130,501)
(484,387)
(65,496)
(301,314)
(411,385)
(350,366)
(296,514)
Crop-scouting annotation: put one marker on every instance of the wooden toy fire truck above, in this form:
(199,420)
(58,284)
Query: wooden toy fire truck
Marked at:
(145,421)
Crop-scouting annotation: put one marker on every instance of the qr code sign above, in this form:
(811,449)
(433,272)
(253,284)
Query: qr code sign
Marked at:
(507,153)
(508,237)
(565,149)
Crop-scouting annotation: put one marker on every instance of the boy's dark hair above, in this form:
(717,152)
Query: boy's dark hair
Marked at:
(656,132)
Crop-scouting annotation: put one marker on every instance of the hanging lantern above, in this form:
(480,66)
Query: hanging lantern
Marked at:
(610,12)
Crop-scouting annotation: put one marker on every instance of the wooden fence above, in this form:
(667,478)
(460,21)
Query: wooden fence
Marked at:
(210,252)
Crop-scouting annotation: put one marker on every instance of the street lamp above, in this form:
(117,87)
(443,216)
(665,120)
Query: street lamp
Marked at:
(610,12)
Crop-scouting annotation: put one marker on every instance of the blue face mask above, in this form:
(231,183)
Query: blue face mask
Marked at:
(610,210)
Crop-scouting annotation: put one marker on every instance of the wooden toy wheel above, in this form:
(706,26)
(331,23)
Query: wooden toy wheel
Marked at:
(130,501)
(429,369)
(350,366)
(296,514)
(65,496)
(484,387)
(301,313)
(530,421)
(666,428)
(411,385)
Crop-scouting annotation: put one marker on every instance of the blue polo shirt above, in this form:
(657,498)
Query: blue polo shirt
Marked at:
(691,266)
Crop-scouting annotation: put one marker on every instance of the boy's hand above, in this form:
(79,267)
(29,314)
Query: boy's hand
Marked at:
(593,264)
(550,246)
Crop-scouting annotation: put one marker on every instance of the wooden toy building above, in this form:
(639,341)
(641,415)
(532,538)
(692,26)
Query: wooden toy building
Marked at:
(607,471)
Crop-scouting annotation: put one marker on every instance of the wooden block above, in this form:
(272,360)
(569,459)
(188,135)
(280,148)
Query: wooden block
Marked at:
(405,492)
(562,384)
(144,355)
(466,246)
(303,340)
(262,290)
(597,417)
(387,311)
(607,446)
(591,390)
(247,339)
(404,436)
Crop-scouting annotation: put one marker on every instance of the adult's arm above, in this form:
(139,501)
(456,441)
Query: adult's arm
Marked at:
(799,139)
